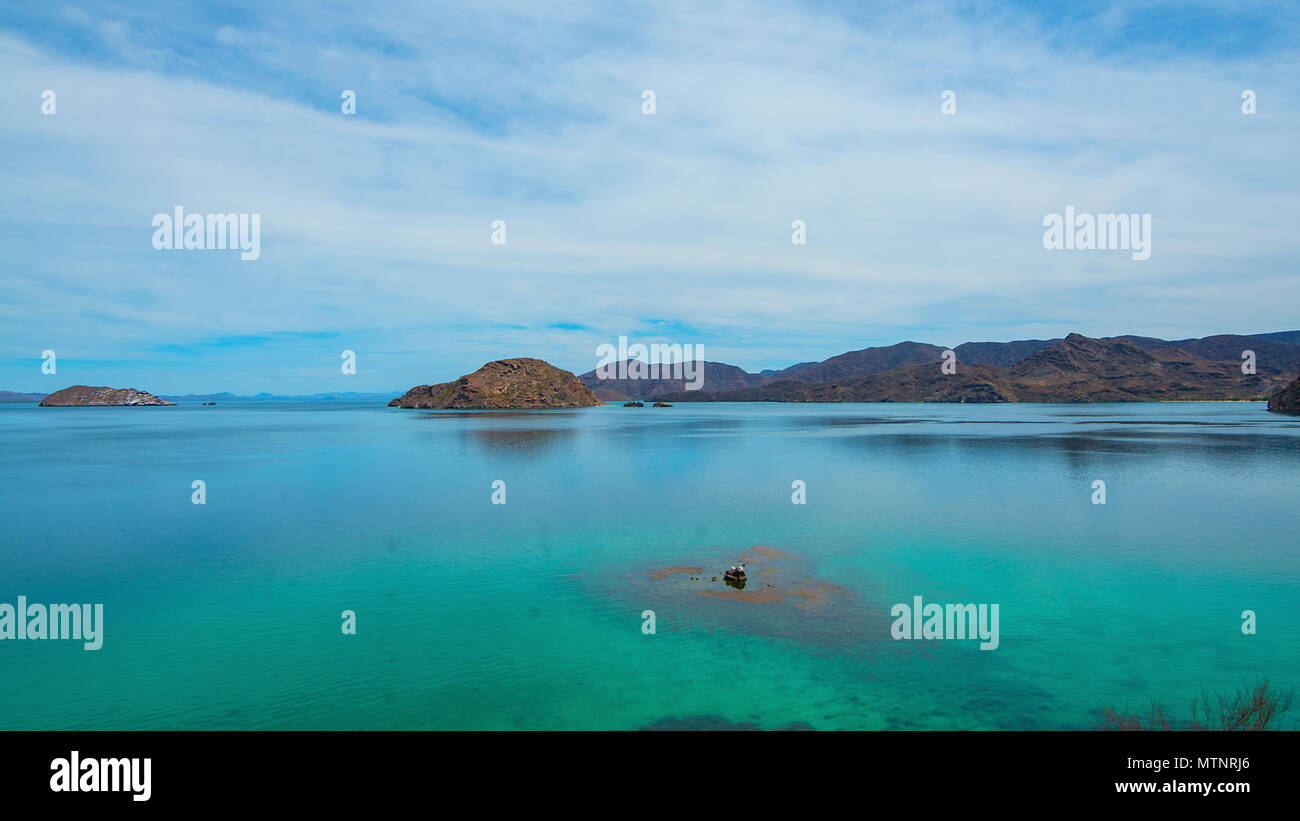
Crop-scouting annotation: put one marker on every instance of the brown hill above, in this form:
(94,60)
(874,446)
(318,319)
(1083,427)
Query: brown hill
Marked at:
(717,377)
(1273,356)
(86,396)
(1074,369)
(1277,355)
(909,383)
(1286,400)
(1001,354)
(861,363)
(506,383)
(1080,369)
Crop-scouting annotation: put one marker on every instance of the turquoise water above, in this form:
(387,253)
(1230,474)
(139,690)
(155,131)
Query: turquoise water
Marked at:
(528,614)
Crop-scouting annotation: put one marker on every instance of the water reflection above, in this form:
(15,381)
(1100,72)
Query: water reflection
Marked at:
(519,441)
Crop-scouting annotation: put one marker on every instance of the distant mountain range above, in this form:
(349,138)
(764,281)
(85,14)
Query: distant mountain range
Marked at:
(1073,369)
(14,398)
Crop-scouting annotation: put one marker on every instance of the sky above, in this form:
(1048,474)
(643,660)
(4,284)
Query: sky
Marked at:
(674,227)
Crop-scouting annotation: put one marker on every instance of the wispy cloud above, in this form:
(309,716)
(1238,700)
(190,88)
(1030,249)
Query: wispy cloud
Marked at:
(376,227)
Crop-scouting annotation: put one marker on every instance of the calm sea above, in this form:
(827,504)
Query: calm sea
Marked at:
(529,614)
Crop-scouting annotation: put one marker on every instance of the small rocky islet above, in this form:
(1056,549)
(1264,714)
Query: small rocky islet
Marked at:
(766,571)
(88,396)
(782,597)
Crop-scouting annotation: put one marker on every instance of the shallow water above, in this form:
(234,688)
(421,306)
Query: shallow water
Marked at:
(529,614)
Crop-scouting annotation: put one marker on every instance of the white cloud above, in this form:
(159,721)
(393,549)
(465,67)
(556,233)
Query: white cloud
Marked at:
(228,35)
(380,221)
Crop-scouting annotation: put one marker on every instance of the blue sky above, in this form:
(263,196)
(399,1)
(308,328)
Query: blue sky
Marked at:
(673,227)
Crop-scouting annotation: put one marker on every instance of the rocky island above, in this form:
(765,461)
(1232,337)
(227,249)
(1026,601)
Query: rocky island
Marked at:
(86,396)
(1286,400)
(504,384)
